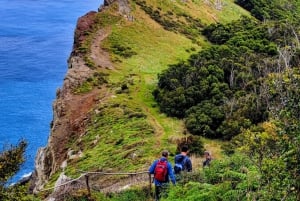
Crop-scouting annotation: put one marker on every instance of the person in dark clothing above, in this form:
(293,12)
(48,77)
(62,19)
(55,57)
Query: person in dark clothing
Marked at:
(162,184)
(207,160)
(183,161)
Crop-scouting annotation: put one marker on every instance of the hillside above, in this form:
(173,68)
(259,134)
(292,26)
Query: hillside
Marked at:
(106,118)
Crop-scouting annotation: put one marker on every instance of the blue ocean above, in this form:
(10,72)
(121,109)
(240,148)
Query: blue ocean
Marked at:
(36,39)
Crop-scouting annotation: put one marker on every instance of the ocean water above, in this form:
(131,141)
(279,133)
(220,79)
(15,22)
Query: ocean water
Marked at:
(36,38)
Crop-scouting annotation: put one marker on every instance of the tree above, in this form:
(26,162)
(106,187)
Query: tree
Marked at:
(273,148)
(11,160)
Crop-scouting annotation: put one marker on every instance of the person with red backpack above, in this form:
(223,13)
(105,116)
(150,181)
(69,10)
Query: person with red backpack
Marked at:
(163,173)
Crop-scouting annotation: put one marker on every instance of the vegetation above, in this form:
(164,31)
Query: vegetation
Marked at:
(134,80)
(128,126)
(263,168)
(101,20)
(176,21)
(11,159)
(217,91)
(230,78)
(224,88)
(271,10)
(97,80)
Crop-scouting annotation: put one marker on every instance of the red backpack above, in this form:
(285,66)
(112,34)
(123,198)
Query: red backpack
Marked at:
(161,170)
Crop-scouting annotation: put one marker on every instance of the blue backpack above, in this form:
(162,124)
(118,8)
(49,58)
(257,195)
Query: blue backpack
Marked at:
(179,165)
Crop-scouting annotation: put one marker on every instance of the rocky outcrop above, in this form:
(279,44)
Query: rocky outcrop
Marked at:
(84,24)
(124,8)
(71,112)
(108,2)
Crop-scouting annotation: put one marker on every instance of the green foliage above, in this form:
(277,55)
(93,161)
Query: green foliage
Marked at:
(265,146)
(131,194)
(123,51)
(238,178)
(194,144)
(270,148)
(215,91)
(16,193)
(96,80)
(204,118)
(101,20)
(192,191)
(11,159)
(232,178)
(175,21)
(287,120)
(120,130)
(245,32)
(271,9)
(220,92)
(119,48)
(223,89)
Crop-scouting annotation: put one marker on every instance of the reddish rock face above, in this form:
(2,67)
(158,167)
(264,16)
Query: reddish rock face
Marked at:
(84,25)
(71,112)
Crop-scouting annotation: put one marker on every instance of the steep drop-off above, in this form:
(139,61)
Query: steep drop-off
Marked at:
(105,117)
(70,111)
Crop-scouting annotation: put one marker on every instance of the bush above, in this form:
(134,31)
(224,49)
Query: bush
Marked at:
(131,194)
(232,178)
(194,144)
(219,91)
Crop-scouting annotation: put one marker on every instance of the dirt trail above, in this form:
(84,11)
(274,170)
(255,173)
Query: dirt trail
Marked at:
(159,130)
(100,57)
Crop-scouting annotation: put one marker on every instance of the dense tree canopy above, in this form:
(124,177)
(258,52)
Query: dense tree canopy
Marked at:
(245,88)
(220,90)
(271,9)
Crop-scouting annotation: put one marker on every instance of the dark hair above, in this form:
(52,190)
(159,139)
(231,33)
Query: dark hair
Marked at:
(184,148)
(165,153)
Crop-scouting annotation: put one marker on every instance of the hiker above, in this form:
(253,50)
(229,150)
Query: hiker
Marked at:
(207,160)
(162,170)
(182,161)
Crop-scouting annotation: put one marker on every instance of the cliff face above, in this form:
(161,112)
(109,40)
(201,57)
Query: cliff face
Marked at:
(71,111)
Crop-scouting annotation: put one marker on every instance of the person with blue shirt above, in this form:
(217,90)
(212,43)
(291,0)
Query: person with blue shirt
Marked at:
(163,173)
(184,160)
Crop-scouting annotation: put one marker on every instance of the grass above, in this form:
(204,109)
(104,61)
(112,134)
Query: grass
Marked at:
(119,138)
(96,80)
(205,10)
(128,131)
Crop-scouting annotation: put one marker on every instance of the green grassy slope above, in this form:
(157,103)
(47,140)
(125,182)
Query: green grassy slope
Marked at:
(128,131)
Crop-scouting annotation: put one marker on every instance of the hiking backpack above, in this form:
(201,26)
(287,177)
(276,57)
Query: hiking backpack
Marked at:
(179,166)
(161,170)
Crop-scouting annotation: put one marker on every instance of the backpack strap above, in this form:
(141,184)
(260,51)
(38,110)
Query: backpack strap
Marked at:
(183,162)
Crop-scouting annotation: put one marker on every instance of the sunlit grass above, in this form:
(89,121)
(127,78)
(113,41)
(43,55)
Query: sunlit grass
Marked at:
(128,131)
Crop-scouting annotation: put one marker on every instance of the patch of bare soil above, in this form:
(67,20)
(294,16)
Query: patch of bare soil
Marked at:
(100,57)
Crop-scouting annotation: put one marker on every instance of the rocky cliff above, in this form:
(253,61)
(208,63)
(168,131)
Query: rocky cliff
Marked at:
(70,110)
(114,124)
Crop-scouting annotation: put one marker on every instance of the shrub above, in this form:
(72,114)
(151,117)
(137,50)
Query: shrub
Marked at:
(194,144)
